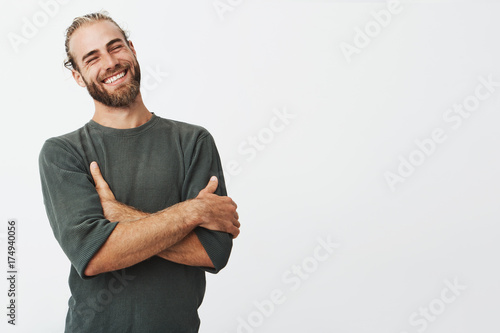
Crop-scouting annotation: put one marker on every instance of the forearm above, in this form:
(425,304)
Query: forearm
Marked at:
(134,241)
(116,211)
(139,235)
(189,251)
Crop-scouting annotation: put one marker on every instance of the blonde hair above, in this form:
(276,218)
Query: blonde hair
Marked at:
(80,21)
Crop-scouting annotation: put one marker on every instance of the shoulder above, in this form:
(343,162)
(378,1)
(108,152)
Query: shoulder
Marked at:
(66,144)
(184,131)
(66,140)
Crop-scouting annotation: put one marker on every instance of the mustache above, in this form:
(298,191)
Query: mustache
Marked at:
(118,68)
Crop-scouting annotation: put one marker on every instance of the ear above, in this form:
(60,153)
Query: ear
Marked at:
(131,46)
(78,78)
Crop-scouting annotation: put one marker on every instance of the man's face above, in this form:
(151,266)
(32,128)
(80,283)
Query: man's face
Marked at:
(107,65)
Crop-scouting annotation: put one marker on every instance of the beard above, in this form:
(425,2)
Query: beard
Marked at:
(124,95)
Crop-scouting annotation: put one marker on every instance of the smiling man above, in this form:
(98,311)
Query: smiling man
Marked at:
(137,202)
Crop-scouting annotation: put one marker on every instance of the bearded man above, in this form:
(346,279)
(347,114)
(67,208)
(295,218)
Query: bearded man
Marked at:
(137,202)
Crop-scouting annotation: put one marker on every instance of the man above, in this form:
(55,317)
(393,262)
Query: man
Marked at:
(137,202)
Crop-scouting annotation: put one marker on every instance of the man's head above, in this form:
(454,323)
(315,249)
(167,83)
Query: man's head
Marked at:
(101,58)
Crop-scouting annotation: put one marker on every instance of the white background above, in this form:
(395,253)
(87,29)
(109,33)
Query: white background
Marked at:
(321,176)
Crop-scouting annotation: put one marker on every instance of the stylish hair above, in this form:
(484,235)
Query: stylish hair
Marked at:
(80,21)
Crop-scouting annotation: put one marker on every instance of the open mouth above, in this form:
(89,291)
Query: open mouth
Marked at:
(115,78)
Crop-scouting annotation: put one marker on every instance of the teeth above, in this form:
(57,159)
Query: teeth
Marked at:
(114,78)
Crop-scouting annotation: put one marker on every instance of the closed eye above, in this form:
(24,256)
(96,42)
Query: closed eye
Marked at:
(91,60)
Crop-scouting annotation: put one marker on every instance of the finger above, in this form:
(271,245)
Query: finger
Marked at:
(235,232)
(211,186)
(231,201)
(101,185)
(96,174)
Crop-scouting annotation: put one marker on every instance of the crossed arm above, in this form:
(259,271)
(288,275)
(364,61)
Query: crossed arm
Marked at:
(167,234)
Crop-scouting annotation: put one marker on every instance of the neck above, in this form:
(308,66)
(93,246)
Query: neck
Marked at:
(134,115)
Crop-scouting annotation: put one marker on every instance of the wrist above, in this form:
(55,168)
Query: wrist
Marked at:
(190,213)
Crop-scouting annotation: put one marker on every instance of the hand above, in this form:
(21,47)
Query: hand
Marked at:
(102,187)
(216,212)
(113,209)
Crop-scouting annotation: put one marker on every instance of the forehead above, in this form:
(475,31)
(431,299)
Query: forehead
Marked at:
(93,36)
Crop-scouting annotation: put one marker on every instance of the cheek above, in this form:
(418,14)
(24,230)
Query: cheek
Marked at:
(87,78)
(93,76)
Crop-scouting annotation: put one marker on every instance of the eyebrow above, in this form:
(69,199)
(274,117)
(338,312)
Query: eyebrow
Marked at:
(108,44)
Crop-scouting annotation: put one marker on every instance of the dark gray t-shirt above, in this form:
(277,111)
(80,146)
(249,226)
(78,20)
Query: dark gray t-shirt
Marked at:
(150,167)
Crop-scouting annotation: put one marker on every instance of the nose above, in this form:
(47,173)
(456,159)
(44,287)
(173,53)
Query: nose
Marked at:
(109,61)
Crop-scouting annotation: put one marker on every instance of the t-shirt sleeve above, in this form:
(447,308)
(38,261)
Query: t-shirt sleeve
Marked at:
(205,163)
(72,204)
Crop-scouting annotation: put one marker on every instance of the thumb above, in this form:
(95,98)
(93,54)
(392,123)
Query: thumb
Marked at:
(96,174)
(101,185)
(212,185)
